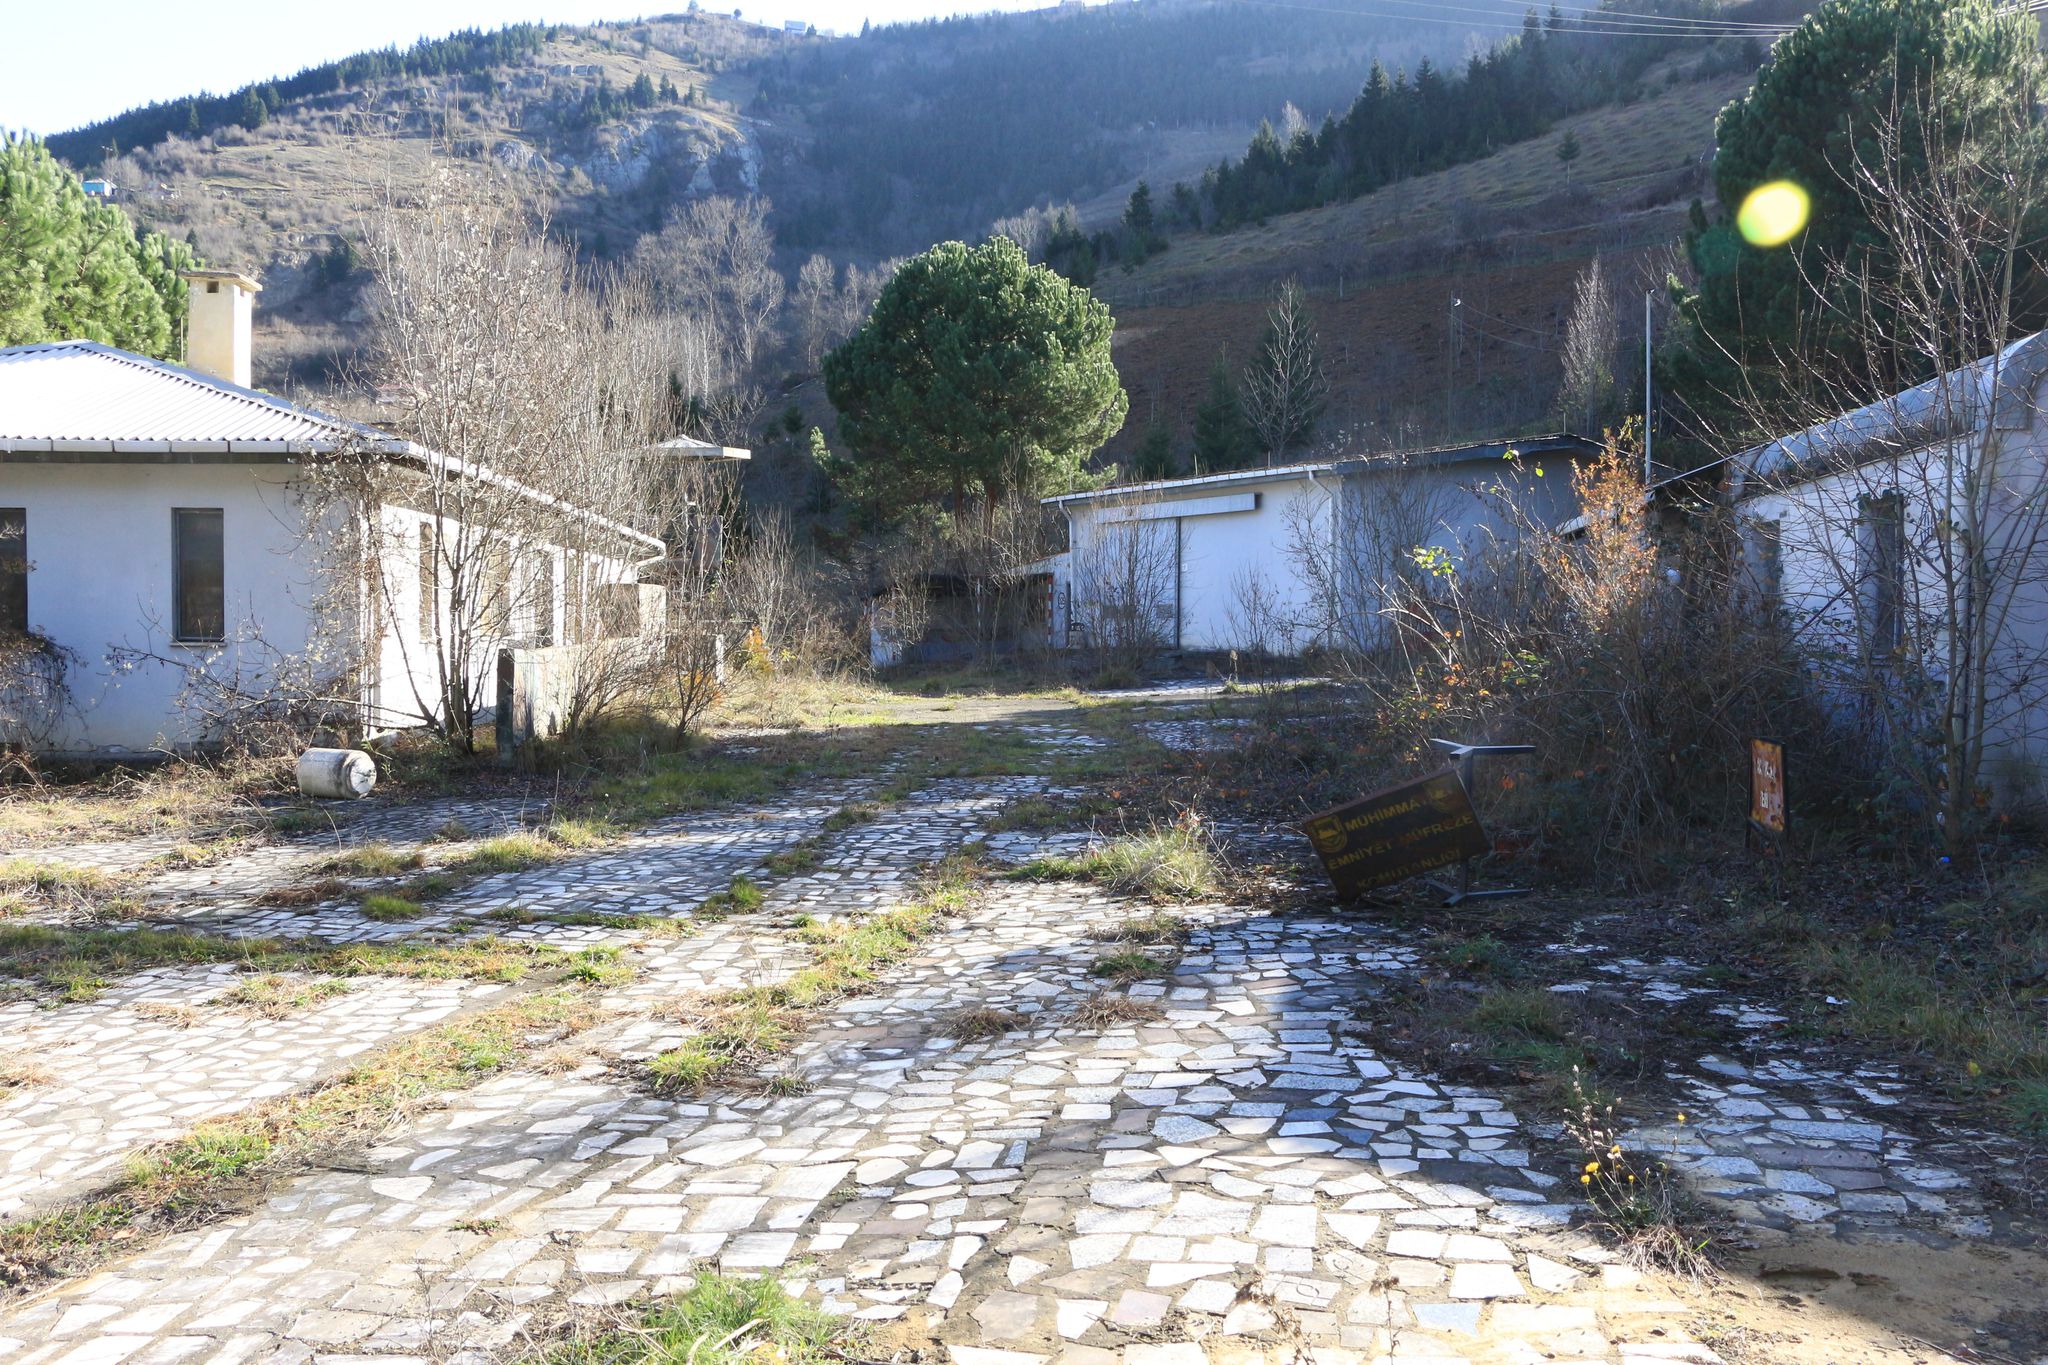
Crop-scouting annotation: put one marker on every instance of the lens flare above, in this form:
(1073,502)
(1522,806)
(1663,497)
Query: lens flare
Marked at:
(1773,214)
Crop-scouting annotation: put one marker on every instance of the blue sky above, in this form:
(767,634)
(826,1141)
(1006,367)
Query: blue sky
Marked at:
(67,62)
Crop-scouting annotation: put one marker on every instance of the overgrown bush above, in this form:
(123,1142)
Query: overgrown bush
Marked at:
(1628,651)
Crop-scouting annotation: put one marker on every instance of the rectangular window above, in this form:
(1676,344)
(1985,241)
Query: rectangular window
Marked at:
(198,575)
(429,584)
(1881,573)
(1763,554)
(14,568)
(543,590)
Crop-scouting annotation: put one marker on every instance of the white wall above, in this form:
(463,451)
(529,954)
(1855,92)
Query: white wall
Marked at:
(1468,510)
(1819,580)
(1212,549)
(99,541)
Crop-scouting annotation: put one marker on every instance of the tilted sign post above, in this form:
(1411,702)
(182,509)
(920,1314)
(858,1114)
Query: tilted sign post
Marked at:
(1410,830)
(1401,832)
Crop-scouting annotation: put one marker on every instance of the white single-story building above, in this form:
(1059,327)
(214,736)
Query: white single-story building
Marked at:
(1906,545)
(161,557)
(1255,560)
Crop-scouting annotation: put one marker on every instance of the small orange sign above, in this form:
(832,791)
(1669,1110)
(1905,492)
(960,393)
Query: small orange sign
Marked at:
(1767,787)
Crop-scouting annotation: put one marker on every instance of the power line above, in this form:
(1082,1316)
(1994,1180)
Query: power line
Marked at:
(1619,26)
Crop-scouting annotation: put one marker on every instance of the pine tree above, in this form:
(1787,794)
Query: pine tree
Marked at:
(1224,440)
(74,266)
(1154,458)
(1567,153)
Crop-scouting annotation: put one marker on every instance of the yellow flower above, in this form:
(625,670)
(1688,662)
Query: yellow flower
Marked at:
(1681,1117)
(1585,1180)
(1592,1166)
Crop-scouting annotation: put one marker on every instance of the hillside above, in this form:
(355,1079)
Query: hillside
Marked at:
(1507,235)
(869,147)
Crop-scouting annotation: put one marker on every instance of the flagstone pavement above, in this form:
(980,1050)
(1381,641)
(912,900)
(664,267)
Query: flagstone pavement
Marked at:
(1242,1176)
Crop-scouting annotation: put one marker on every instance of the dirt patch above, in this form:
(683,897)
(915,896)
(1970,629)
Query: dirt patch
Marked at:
(1822,1301)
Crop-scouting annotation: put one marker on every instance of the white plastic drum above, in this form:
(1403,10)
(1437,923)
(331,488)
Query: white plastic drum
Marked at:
(342,774)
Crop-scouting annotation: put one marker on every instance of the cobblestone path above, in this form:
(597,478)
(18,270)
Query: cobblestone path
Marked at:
(1236,1177)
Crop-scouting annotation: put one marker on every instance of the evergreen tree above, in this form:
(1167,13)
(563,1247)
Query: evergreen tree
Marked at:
(1138,223)
(1154,457)
(1567,153)
(1813,112)
(253,113)
(74,266)
(977,375)
(642,92)
(1224,439)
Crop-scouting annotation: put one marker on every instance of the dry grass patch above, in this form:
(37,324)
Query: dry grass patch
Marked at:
(274,997)
(973,1023)
(1108,1009)
(165,1012)
(305,894)
(19,1073)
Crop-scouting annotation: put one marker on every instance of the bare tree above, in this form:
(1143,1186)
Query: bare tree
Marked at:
(1592,335)
(1120,569)
(715,260)
(1285,385)
(817,285)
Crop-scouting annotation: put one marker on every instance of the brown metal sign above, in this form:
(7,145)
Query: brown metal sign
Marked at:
(1767,787)
(1398,833)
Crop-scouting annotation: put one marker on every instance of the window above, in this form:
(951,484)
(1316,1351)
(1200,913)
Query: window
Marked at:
(198,575)
(430,584)
(14,568)
(1881,573)
(1763,555)
(543,600)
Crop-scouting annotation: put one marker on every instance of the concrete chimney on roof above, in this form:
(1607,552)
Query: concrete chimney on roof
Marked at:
(218,323)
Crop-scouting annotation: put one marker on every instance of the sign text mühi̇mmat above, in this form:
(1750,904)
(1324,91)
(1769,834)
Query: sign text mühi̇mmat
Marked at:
(1397,833)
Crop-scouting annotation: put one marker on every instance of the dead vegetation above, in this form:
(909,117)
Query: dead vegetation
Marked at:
(1105,1010)
(977,1023)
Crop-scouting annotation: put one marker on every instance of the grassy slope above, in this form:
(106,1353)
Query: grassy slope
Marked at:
(1497,233)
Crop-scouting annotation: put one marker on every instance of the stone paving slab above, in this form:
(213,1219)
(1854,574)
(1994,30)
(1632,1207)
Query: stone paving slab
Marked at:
(151,1058)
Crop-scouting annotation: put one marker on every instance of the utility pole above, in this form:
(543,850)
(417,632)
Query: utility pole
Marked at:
(1649,466)
(1451,368)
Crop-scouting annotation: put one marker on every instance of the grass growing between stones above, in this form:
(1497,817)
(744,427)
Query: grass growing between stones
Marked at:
(1157,926)
(372,860)
(220,1164)
(274,997)
(1129,965)
(54,880)
(720,1320)
(1172,863)
(743,896)
(75,964)
(745,1029)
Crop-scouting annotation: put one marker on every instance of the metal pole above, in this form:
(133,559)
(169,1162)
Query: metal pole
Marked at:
(1649,466)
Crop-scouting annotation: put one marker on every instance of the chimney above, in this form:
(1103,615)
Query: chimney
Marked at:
(217,325)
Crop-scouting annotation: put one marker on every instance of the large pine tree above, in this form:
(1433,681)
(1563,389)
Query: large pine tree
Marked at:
(72,266)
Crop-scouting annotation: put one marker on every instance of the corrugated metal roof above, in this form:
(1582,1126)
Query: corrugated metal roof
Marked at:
(69,395)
